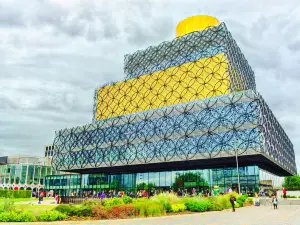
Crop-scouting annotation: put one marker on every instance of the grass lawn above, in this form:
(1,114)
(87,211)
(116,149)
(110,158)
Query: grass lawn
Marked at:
(35,209)
(16,200)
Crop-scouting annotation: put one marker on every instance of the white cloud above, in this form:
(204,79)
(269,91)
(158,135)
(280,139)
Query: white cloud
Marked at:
(53,53)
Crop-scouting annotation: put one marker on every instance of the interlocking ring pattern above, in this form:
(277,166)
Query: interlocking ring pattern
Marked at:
(276,142)
(188,99)
(205,128)
(199,65)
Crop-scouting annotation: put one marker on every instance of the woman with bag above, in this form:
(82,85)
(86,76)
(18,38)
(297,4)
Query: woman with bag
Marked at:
(233,202)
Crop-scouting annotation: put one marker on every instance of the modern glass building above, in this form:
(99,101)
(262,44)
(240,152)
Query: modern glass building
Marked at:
(186,115)
(24,172)
(200,179)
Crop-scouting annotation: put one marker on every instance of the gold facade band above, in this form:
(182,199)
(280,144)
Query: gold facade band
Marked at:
(207,77)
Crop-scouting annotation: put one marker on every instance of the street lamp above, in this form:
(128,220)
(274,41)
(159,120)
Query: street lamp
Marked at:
(237,169)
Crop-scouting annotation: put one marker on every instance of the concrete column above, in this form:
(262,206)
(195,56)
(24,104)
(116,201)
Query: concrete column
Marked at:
(27,167)
(20,182)
(5,174)
(33,174)
(40,174)
(15,173)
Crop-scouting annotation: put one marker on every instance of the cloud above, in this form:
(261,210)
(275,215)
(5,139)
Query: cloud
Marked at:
(54,53)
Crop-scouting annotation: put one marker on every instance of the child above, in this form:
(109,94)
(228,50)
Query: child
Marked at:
(275,201)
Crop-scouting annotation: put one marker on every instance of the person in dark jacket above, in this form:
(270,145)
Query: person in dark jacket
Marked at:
(232,201)
(41,197)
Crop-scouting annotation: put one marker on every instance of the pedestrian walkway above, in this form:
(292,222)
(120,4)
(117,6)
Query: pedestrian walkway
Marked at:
(263,215)
(35,202)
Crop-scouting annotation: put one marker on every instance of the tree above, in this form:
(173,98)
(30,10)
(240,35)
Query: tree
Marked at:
(292,183)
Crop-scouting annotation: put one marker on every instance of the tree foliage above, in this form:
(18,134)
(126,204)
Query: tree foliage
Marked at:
(292,182)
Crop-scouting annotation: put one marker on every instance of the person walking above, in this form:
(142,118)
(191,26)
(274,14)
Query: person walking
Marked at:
(40,197)
(233,202)
(131,194)
(57,199)
(275,201)
(284,193)
(256,200)
(102,195)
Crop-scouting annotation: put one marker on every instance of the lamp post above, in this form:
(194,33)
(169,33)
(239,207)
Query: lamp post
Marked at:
(237,169)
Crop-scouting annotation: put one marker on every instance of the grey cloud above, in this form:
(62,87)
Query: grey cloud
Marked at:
(295,45)
(10,17)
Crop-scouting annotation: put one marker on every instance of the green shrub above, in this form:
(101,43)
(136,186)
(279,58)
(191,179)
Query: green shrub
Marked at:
(166,200)
(240,202)
(63,208)
(167,206)
(80,210)
(15,194)
(218,203)
(178,208)
(197,205)
(127,199)
(8,205)
(290,196)
(112,202)
(15,217)
(90,202)
(26,217)
(249,200)
(148,207)
(154,210)
(71,210)
(6,217)
(84,211)
(221,202)
(51,216)
(241,199)
(140,208)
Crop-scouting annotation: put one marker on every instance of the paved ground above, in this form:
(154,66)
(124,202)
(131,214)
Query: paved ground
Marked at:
(35,202)
(263,215)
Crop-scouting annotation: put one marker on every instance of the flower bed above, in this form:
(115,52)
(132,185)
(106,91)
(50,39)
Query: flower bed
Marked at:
(126,207)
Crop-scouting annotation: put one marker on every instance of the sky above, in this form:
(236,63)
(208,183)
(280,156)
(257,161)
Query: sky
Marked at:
(54,53)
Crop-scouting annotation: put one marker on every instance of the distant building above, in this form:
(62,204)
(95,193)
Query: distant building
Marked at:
(49,149)
(24,172)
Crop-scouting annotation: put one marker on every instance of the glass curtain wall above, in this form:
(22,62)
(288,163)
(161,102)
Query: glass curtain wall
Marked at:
(24,174)
(202,180)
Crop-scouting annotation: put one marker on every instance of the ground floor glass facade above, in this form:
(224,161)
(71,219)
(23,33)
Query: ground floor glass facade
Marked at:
(201,179)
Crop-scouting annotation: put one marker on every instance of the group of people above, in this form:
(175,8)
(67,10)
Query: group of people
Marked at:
(274,198)
(138,194)
(110,194)
(42,194)
(149,193)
